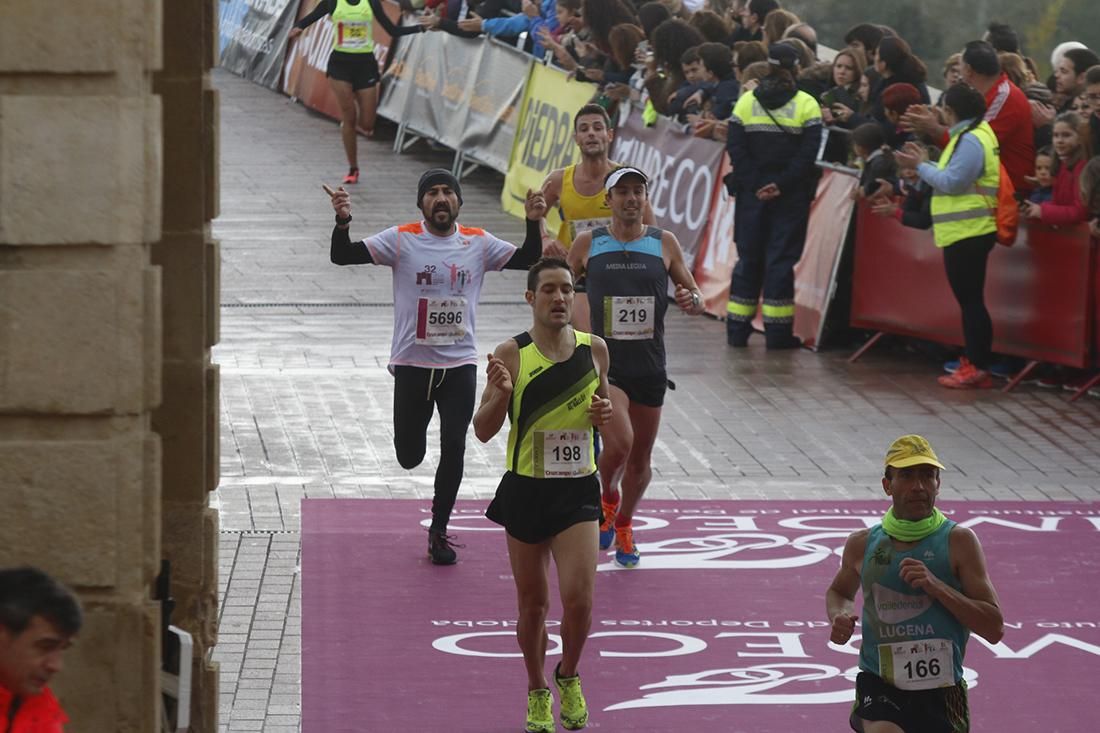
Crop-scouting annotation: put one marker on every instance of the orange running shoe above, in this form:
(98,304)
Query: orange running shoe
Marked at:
(967,376)
(352,176)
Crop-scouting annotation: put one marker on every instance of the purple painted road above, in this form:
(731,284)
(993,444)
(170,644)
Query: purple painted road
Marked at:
(721,628)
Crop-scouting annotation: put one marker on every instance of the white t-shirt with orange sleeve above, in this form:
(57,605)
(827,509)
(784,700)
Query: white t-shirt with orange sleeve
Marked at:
(436,287)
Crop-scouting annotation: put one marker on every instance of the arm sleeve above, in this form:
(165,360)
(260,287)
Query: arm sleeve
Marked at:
(346,252)
(1063,214)
(510,26)
(916,211)
(531,250)
(964,168)
(387,24)
(451,26)
(738,150)
(324,7)
(801,164)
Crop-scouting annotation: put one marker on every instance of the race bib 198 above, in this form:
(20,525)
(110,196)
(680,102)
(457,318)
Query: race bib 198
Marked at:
(918,665)
(440,321)
(561,453)
(628,318)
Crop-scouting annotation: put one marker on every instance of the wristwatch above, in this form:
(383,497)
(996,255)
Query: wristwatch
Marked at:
(695,299)
(342,222)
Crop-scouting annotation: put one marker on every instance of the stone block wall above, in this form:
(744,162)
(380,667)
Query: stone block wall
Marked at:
(108,310)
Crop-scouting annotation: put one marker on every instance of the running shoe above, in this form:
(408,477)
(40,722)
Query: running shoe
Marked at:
(540,711)
(1076,383)
(999,370)
(626,554)
(607,526)
(574,710)
(441,549)
(352,176)
(967,376)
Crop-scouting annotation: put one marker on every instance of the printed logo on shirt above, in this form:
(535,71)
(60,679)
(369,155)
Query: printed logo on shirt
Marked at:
(424,277)
(459,277)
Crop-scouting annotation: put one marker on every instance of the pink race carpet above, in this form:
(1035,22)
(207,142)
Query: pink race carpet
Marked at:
(720,629)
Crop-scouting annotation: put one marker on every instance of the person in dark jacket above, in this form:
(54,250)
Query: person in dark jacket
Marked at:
(774,136)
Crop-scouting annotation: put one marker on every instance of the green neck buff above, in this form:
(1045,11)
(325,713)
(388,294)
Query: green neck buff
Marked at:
(904,530)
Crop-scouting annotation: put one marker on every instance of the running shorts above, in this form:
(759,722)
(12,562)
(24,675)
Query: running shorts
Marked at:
(358,69)
(943,710)
(535,509)
(647,390)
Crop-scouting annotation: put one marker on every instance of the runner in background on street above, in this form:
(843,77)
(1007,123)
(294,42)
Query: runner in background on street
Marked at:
(353,71)
(628,265)
(551,382)
(577,190)
(438,268)
(925,589)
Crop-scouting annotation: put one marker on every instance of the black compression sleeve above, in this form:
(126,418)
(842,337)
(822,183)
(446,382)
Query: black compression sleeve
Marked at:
(531,251)
(346,252)
(324,7)
(388,26)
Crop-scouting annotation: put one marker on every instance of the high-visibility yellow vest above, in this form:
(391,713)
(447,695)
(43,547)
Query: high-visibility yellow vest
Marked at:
(970,214)
(801,111)
(353,27)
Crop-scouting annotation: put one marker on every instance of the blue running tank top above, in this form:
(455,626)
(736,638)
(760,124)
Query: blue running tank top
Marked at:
(627,285)
(909,639)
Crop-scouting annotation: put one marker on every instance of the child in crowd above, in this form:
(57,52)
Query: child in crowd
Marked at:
(691,64)
(1065,206)
(1043,180)
(879,168)
(718,89)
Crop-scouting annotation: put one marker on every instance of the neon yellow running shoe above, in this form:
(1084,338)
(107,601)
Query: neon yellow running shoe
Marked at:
(574,710)
(540,711)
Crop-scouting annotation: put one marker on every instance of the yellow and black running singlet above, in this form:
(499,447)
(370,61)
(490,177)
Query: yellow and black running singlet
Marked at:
(551,434)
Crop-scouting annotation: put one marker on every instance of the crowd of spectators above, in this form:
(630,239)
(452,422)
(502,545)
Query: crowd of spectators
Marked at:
(690,60)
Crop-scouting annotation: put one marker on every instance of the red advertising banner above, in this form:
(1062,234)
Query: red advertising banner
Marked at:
(1040,292)
(815,272)
(717,254)
(307,59)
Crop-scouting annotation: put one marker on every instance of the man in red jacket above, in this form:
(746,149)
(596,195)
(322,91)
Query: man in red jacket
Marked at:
(1007,112)
(38,619)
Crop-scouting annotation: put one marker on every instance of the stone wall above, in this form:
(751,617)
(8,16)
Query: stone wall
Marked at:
(108,309)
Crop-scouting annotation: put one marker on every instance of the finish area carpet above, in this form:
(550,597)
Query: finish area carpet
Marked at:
(721,627)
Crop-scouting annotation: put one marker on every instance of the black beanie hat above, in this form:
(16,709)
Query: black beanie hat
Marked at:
(434,177)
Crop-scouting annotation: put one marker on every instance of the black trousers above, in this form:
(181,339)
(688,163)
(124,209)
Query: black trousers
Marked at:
(770,238)
(965,262)
(417,393)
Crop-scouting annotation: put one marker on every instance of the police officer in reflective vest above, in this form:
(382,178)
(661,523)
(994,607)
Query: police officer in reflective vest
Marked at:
(965,184)
(774,136)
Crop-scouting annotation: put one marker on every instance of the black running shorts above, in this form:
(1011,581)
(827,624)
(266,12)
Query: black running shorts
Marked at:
(535,509)
(943,710)
(358,69)
(648,391)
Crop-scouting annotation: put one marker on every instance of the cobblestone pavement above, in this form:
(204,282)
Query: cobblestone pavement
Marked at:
(306,399)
